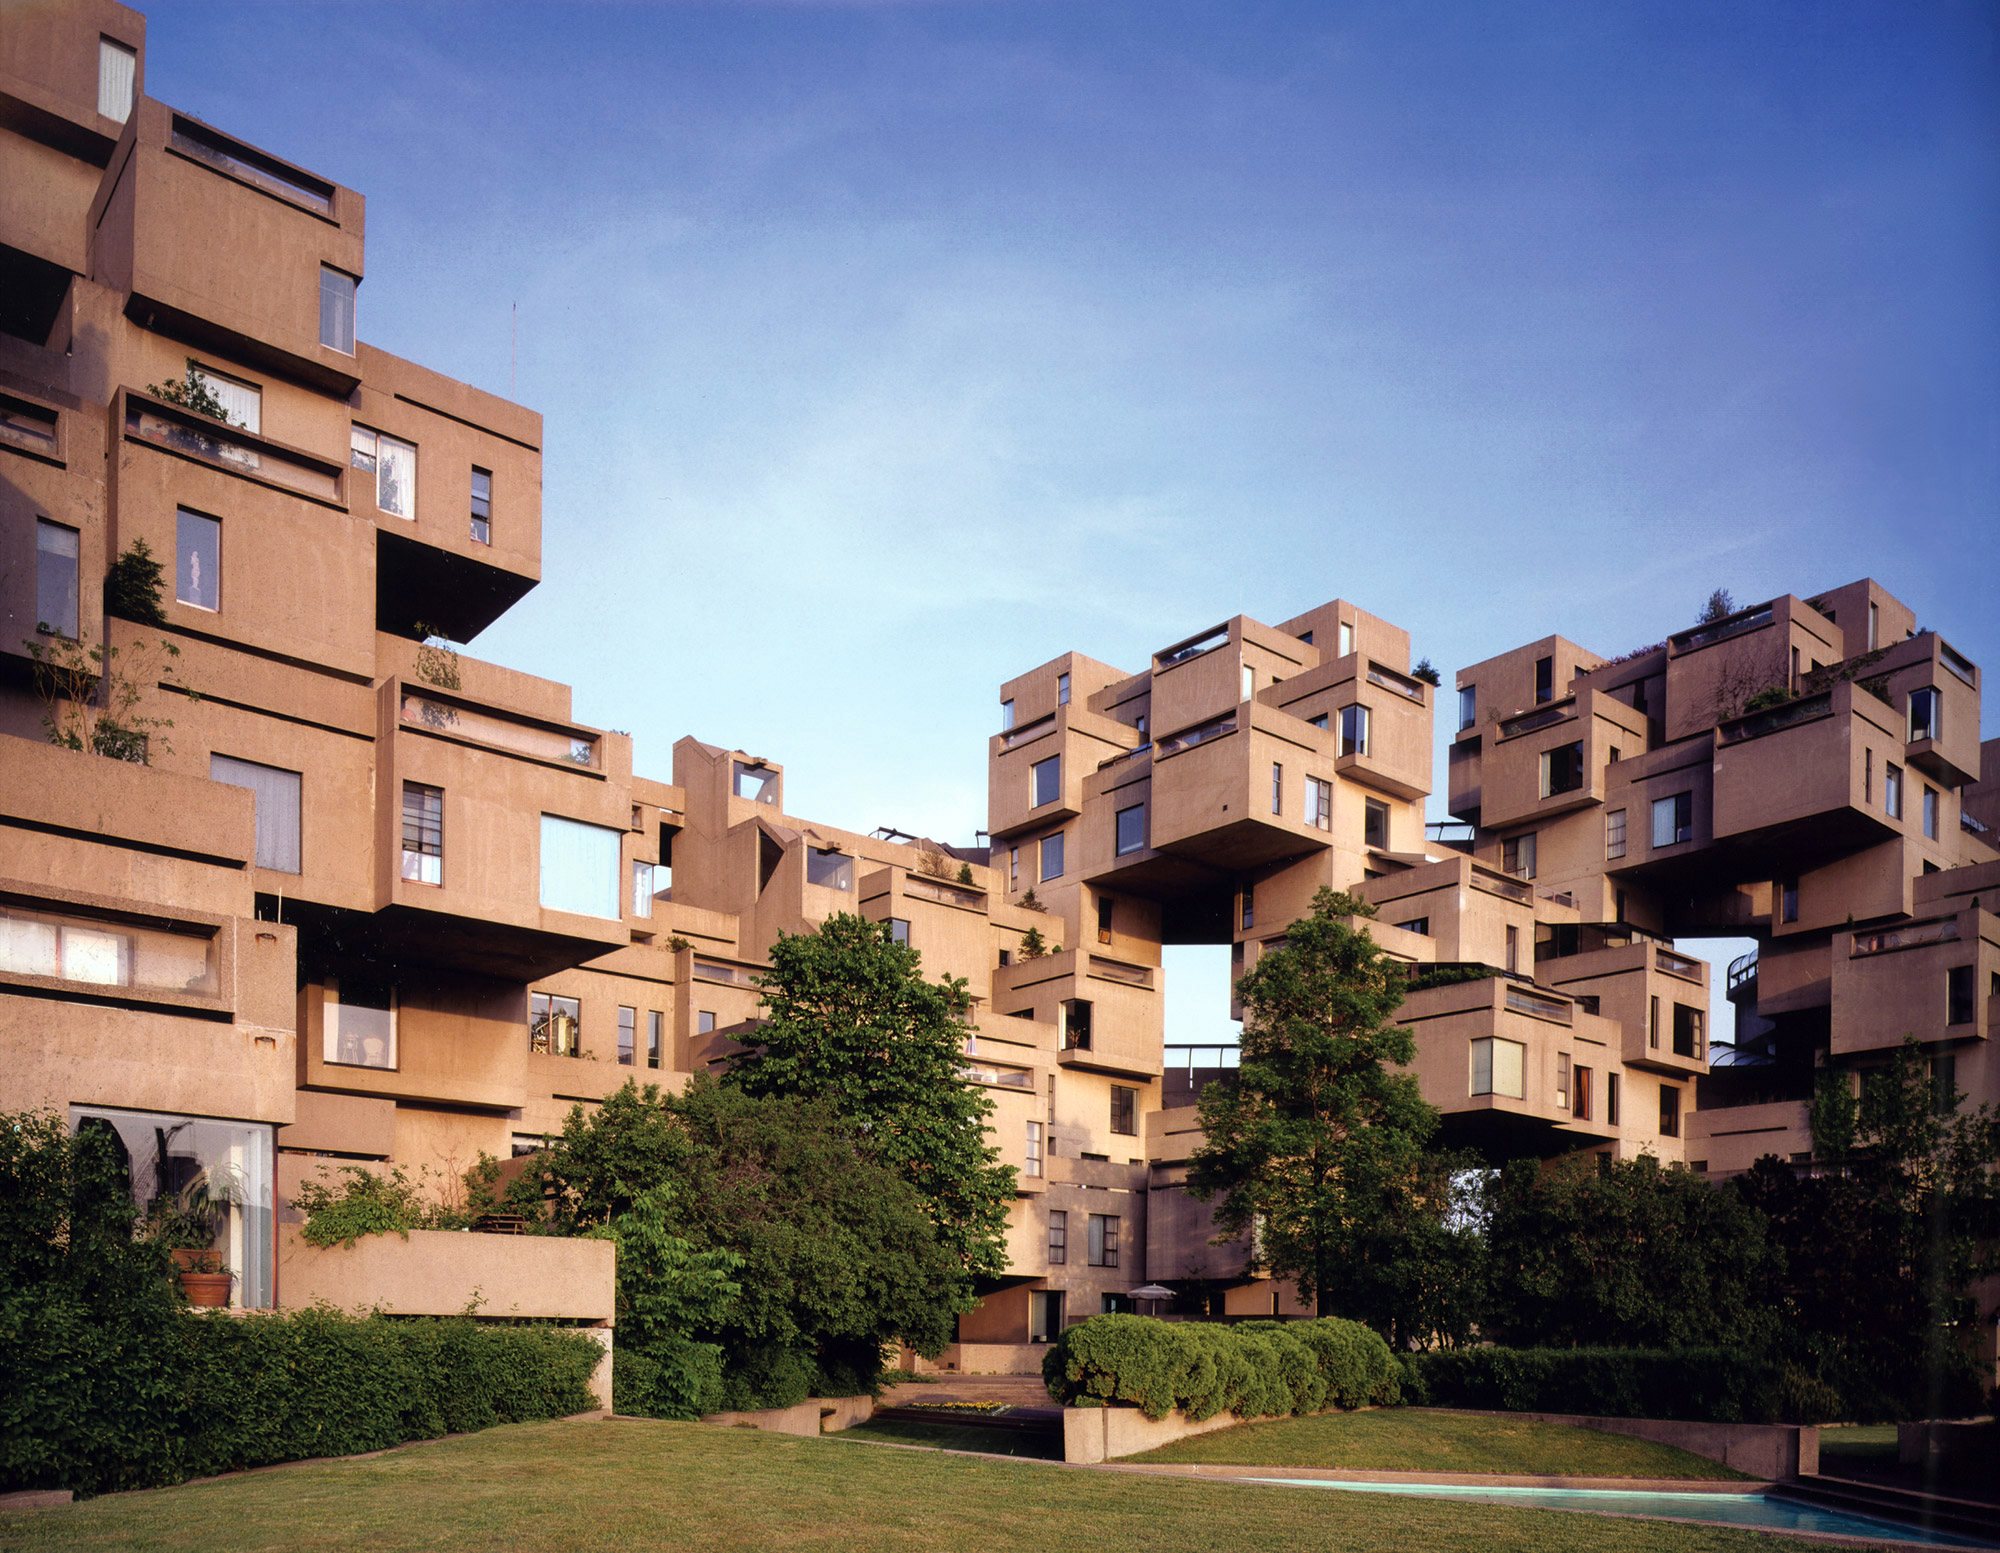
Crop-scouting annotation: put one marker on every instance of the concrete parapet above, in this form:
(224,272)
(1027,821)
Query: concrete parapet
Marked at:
(1093,1434)
(1771,1451)
(815,1415)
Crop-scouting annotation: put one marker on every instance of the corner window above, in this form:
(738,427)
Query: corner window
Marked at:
(1006,716)
(336,310)
(1052,856)
(1045,781)
(1468,707)
(1923,715)
(1688,1032)
(1673,820)
(1124,1111)
(1062,690)
(555,1025)
(482,505)
(834,870)
(1517,856)
(899,931)
(1354,730)
(1132,829)
(1562,770)
(1319,803)
(1375,824)
(1249,913)
(579,867)
(642,889)
(393,464)
(197,560)
(117,79)
(704,1022)
(1892,790)
(1499,1067)
(1420,925)
(758,783)
(1058,1236)
(1075,1026)
(360,1023)
(1346,637)
(1614,834)
(1103,1240)
(1249,682)
(277,802)
(423,834)
(56,552)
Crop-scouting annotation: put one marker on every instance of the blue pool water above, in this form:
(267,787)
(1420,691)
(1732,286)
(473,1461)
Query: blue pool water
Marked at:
(1721,1509)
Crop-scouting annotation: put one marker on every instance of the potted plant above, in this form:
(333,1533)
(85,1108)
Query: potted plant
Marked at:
(185,1224)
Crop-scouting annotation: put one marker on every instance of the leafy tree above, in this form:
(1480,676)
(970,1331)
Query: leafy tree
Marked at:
(192,392)
(1425,672)
(1591,1252)
(1884,1241)
(1719,607)
(667,1289)
(133,585)
(851,1021)
(1318,1150)
(91,695)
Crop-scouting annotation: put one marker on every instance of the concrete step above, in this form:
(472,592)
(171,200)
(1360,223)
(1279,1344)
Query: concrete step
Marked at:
(1934,1512)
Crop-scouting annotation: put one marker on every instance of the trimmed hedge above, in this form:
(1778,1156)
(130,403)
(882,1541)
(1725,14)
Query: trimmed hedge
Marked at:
(1708,1385)
(1254,1369)
(96,1405)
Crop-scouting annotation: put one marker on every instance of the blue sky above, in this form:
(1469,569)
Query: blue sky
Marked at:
(859,328)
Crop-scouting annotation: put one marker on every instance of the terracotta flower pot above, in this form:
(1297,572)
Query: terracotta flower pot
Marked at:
(207,1289)
(197,1261)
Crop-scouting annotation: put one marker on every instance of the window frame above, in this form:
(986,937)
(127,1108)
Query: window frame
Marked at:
(1050,851)
(1571,775)
(1930,727)
(1125,1109)
(1892,789)
(1051,764)
(70,626)
(1468,707)
(482,506)
(1614,834)
(1031,1157)
(1319,803)
(1058,1247)
(1354,730)
(1101,1249)
(628,1036)
(545,1037)
(183,518)
(1124,846)
(428,834)
(1678,832)
(346,306)
(1670,1110)
(1372,811)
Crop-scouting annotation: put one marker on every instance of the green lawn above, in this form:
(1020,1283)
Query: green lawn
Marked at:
(619,1486)
(1415,1440)
(1857,1445)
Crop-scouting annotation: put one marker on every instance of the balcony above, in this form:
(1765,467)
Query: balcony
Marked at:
(1105,1013)
(1929,978)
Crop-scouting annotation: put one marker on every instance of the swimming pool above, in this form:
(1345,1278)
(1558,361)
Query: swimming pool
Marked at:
(1720,1509)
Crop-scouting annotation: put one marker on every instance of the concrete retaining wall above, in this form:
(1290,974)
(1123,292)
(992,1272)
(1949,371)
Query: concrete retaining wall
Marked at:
(980,1359)
(814,1416)
(1092,1434)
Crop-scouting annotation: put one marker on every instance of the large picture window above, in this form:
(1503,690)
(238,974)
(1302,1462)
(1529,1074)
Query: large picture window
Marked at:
(198,560)
(1673,820)
(555,1025)
(336,310)
(277,793)
(360,1023)
(1354,730)
(423,833)
(393,464)
(1103,1240)
(1562,770)
(55,578)
(580,867)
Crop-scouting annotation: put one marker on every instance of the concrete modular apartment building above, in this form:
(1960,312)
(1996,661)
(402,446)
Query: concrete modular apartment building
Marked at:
(376,901)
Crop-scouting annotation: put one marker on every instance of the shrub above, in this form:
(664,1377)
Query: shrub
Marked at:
(1256,1369)
(1715,1385)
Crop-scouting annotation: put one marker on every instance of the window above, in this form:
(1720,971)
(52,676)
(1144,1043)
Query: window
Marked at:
(554,1025)
(1611,1085)
(1058,1236)
(393,463)
(1319,803)
(117,78)
(1498,1067)
(1062,690)
(1319,721)
(55,578)
(642,889)
(1958,995)
(1867,776)
(1277,788)
(1670,1111)
(1052,856)
(360,1023)
(1874,624)
(1653,1025)
(1545,680)
(1045,1313)
(1517,856)
(482,505)
(242,403)
(423,833)
(1006,716)
(580,867)
(1124,1111)
(1562,1081)
(1513,948)
(1140,723)
(1788,900)
(1614,834)
(1346,637)
(1614,756)
(628,1035)
(336,310)
(755,781)
(1619,907)
(1249,915)
(828,868)
(1013,865)
(1032,1159)
(1375,824)
(1923,715)
(1468,707)
(1104,919)
(198,560)
(1249,682)
(1892,790)
(1673,820)
(899,931)
(1075,1031)
(1579,1104)
(704,1022)
(1687,1031)
(277,794)
(1417,925)
(1931,812)
(1354,730)
(1131,829)
(1103,1240)
(655,1036)
(1562,770)
(1045,780)
(104,953)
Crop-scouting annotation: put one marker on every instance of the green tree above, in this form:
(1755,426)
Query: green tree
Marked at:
(133,585)
(1720,606)
(1884,1241)
(1591,1252)
(1317,1150)
(851,1021)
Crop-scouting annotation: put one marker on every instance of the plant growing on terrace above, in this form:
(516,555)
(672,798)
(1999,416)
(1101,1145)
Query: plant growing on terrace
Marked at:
(1031,901)
(1033,945)
(934,861)
(192,393)
(91,695)
(1426,673)
(437,660)
(387,1204)
(133,585)
(1720,606)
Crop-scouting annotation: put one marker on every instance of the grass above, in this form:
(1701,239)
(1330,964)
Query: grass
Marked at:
(1418,1440)
(1857,1445)
(625,1486)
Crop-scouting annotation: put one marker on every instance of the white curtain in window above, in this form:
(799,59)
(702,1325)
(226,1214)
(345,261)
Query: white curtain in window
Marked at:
(579,867)
(277,808)
(242,403)
(396,478)
(117,72)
